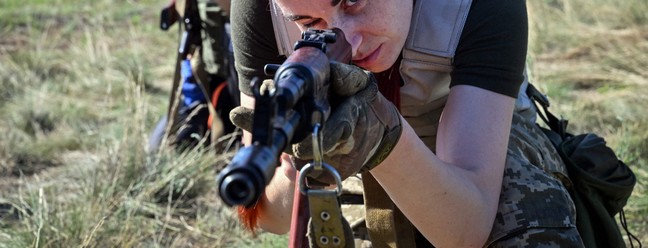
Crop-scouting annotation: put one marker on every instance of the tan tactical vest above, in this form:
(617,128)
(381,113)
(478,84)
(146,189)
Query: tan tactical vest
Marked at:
(427,62)
(425,68)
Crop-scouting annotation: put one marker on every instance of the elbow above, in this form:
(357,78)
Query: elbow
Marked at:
(474,230)
(476,241)
(466,239)
(272,223)
(479,231)
(259,216)
(274,227)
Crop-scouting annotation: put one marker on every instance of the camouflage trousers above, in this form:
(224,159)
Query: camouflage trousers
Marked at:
(535,208)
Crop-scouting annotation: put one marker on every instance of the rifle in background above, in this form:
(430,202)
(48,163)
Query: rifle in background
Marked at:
(204,41)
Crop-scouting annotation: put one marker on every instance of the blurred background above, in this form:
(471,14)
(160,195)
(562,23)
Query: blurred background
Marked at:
(84,83)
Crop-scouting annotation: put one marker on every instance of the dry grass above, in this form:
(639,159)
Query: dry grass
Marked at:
(591,58)
(82,83)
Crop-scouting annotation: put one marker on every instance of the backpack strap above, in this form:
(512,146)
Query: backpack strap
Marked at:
(558,125)
(557,135)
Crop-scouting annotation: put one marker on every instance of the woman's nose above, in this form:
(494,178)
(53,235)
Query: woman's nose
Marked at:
(350,30)
(353,37)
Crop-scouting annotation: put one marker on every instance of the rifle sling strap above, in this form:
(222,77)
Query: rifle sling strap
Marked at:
(386,224)
(558,125)
(327,227)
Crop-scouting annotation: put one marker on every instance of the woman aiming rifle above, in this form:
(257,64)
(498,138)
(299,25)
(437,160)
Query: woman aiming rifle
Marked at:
(467,166)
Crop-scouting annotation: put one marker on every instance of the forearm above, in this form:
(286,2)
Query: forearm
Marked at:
(441,200)
(452,196)
(277,202)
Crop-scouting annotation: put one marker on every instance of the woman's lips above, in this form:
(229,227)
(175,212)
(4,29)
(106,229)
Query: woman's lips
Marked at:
(369,59)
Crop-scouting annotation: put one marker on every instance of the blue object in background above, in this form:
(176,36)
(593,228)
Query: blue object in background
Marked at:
(191,91)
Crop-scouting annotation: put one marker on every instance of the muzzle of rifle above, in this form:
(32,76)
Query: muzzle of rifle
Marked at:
(243,181)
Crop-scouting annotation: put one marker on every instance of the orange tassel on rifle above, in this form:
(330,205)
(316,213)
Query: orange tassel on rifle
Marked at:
(215,95)
(249,217)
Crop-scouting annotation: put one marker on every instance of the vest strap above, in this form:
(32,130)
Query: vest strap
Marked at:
(386,224)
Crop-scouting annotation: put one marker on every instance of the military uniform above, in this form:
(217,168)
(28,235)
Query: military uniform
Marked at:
(452,42)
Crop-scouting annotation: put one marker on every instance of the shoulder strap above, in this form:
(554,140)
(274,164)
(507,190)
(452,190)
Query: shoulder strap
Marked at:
(558,125)
(436,26)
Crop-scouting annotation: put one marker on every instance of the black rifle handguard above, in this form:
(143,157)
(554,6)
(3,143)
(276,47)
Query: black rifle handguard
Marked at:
(283,115)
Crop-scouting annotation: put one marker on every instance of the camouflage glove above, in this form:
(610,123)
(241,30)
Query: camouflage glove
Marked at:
(243,117)
(361,130)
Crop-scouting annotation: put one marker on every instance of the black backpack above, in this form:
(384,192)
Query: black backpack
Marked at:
(600,183)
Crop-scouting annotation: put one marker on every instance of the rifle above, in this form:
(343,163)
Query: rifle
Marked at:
(286,114)
(191,19)
(169,16)
(190,35)
(202,37)
(281,117)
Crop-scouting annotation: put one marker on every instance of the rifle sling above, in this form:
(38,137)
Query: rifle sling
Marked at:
(387,225)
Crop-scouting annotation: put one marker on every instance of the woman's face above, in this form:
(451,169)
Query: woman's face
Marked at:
(376,29)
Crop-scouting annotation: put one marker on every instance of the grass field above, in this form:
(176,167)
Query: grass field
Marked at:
(83,82)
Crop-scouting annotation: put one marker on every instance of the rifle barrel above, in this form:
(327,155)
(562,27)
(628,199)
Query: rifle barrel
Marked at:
(283,116)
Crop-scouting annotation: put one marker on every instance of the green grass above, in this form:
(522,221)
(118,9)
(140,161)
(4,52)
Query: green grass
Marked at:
(83,82)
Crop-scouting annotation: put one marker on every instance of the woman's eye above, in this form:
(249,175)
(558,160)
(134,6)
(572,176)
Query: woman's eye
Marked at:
(312,23)
(350,3)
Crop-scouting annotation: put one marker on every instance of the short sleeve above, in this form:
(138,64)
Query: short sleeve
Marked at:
(253,41)
(492,49)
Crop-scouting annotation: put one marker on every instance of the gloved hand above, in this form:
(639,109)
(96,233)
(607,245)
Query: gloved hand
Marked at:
(360,132)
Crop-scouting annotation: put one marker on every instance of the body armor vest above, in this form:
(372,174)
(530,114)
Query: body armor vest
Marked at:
(427,62)
(425,68)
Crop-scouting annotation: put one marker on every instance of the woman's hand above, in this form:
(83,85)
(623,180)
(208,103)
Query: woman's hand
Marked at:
(361,131)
